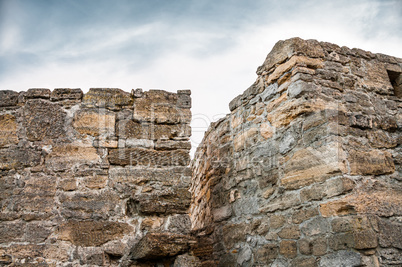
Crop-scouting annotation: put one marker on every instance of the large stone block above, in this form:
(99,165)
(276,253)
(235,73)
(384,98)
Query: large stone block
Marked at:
(161,107)
(127,129)
(390,234)
(90,205)
(60,94)
(37,195)
(160,245)
(92,233)
(94,122)
(165,202)
(341,258)
(17,158)
(8,130)
(67,156)
(374,162)
(8,98)
(111,98)
(11,232)
(43,120)
(311,165)
(149,158)
(379,202)
(37,93)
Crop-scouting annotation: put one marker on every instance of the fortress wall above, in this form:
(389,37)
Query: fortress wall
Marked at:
(83,177)
(306,169)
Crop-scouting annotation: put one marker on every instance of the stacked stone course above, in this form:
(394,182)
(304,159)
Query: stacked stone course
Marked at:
(306,169)
(86,178)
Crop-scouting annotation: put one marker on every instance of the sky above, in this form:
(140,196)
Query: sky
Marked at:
(209,46)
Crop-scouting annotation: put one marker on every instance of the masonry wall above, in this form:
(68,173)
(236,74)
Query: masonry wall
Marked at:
(95,179)
(306,169)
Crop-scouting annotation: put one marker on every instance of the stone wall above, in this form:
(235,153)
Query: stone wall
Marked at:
(306,170)
(95,179)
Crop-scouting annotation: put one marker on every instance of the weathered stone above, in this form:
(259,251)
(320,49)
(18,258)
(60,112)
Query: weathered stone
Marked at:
(159,245)
(67,156)
(172,145)
(17,158)
(160,107)
(111,98)
(60,94)
(390,234)
(284,201)
(277,221)
(382,203)
(8,98)
(222,213)
(8,130)
(92,233)
(147,157)
(285,49)
(391,256)
(342,241)
(381,139)
(308,166)
(288,248)
(37,232)
(343,258)
(115,248)
(375,162)
(160,203)
(90,205)
(37,93)
(187,260)
(267,252)
(11,232)
(234,233)
(289,232)
(94,122)
(179,223)
(315,226)
(304,214)
(43,120)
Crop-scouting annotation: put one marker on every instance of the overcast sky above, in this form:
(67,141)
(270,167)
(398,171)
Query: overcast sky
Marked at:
(211,47)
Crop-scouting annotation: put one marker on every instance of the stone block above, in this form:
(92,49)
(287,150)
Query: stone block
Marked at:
(289,232)
(179,224)
(37,93)
(222,213)
(374,162)
(172,145)
(110,98)
(315,226)
(235,233)
(307,166)
(159,245)
(60,94)
(288,248)
(64,157)
(17,158)
(342,241)
(11,232)
(43,120)
(304,214)
(37,194)
(277,221)
(8,130)
(8,98)
(128,129)
(37,232)
(282,202)
(267,253)
(187,260)
(245,138)
(147,157)
(304,262)
(94,122)
(341,258)
(84,206)
(390,256)
(92,233)
(161,107)
(165,202)
(390,234)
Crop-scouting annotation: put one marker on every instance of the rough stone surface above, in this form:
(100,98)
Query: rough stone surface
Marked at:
(304,170)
